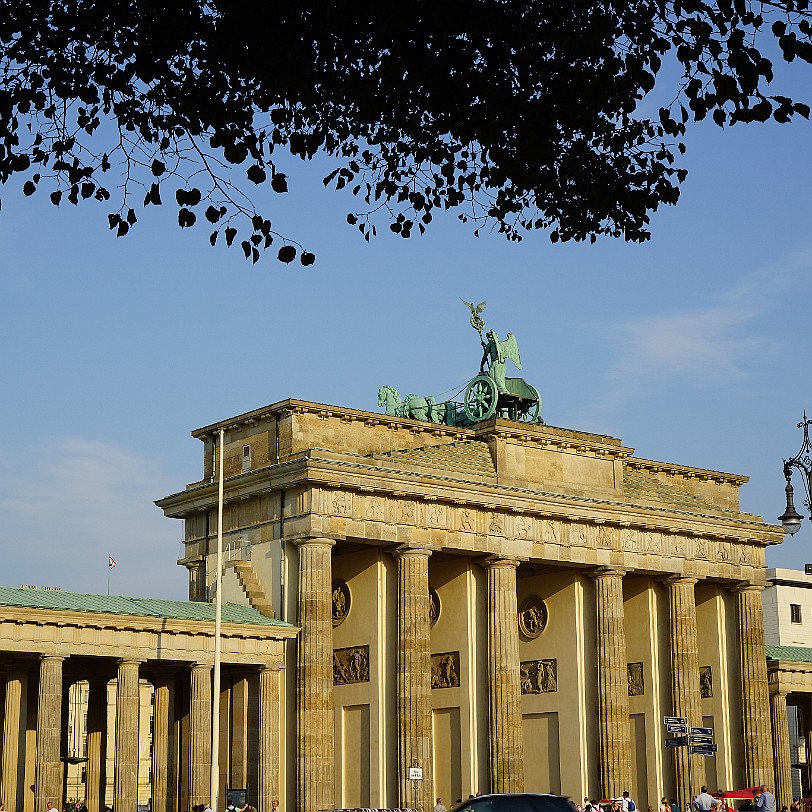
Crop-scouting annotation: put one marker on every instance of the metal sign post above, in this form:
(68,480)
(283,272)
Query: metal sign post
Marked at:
(415,776)
(678,725)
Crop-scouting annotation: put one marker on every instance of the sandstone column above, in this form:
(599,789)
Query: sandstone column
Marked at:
(127,712)
(200,735)
(162,741)
(414,677)
(758,755)
(504,685)
(613,684)
(96,743)
(49,768)
(684,649)
(314,677)
(269,737)
(783,766)
(13,743)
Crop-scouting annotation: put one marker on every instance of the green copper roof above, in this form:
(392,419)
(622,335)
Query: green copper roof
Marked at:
(138,607)
(797,654)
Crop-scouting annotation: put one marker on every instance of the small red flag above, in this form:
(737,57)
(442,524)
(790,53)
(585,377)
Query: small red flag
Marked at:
(111,562)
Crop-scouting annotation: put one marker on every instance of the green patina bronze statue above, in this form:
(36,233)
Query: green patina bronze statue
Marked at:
(489,394)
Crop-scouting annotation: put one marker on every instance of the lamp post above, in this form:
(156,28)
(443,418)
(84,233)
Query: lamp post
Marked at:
(791,519)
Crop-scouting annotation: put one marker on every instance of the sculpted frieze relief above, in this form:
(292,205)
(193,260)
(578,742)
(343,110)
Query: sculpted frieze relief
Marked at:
(351,665)
(466,520)
(523,528)
(630,539)
(539,676)
(496,524)
(606,537)
(653,542)
(445,670)
(375,508)
(435,515)
(552,532)
(406,512)
(723,551)
(341,503)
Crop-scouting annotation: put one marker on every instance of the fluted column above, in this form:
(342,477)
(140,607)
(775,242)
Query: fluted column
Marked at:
(783,766)
(613,684)
(414,677)
(162,740)
(758,756)
(200,735)
(504,679)
(127,712)
(314,678)
(269,737)
(13,742)
(685,696)
(96,743)
(49,734)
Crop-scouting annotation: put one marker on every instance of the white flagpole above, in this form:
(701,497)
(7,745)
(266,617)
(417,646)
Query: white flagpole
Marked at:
(218,612)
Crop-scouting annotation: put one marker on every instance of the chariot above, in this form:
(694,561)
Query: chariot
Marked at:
(516,400)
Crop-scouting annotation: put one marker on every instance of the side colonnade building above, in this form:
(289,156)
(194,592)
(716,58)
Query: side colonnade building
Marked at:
(509,606)
(51,642)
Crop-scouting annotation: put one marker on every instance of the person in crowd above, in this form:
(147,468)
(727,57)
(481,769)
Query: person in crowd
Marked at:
(704,802)
(765,802)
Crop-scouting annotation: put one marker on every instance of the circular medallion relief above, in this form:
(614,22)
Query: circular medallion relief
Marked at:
(434,607)
(533,617)
(341,602)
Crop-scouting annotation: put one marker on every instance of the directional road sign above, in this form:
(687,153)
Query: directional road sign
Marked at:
(701,739)
(703,749)
(677,741)
(680,728)
(674,720)
(702,731)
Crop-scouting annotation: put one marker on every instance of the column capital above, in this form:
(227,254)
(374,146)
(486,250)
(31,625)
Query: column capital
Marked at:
(680,580)
(748,586)
(779,692)
(411,551)
(200,666)
(51,658)
(129,661)
(494,561)
(607,572)
(315,541)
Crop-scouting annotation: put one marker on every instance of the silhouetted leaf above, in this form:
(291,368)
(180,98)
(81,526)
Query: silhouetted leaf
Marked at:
(256,174)
(287,253)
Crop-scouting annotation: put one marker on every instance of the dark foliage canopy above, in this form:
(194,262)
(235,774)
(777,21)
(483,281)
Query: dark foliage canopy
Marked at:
(515,114)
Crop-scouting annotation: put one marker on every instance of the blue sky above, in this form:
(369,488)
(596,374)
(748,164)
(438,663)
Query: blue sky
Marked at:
(692,348)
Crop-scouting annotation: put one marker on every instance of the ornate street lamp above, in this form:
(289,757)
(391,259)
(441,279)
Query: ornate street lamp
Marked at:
(791,519)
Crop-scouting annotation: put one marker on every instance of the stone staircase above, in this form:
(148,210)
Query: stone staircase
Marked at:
(468,457)
(252,588)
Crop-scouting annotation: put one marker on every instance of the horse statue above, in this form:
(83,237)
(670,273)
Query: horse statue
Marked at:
(414,407)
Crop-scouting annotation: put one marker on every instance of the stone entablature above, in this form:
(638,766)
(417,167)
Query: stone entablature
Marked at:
(63,633)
